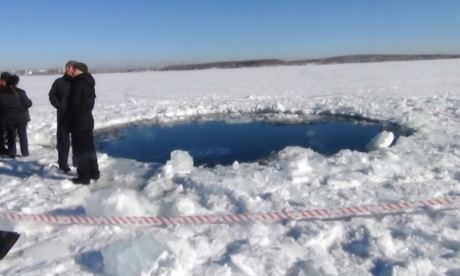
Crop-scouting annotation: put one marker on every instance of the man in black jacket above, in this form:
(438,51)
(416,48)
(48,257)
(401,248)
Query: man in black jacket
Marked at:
(14,105)
(58,98)
(80,119)
(3,79)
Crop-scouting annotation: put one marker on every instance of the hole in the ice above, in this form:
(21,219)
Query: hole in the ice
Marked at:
(212,142)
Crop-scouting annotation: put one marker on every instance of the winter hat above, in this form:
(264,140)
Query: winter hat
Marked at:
(5,76)
(81,66)
(12,81)
(71,63)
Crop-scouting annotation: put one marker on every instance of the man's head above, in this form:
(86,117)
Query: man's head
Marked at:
(69,67)
(4,78)
(79,68)
(13,80)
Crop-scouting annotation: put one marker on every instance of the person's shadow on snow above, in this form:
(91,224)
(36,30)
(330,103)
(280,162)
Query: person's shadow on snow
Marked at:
(24,169)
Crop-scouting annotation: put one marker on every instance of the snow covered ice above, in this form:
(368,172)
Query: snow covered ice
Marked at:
(420,95)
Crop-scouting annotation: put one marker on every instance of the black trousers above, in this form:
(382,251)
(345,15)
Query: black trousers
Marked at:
(63,142)
(3,149)
(84,154)
(21,131)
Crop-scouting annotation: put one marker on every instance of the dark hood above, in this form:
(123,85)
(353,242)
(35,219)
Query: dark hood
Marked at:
(87,77)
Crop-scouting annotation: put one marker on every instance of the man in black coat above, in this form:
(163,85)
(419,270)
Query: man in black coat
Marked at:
(14,106)
(80,119)
(3,79)
(58,98)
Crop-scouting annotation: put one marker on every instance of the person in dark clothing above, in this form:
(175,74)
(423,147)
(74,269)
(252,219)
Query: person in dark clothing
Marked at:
(14,107)
(58,98)
(4,77)
(3,151)
(80,119)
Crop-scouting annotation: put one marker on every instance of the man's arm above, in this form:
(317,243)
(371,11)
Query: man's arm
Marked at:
(53,97)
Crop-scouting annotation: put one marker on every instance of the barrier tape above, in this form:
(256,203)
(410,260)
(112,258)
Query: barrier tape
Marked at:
(321,214)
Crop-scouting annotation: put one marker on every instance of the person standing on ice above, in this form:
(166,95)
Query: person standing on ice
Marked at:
(4,77)
(79,116)
(14,106)
(58,98)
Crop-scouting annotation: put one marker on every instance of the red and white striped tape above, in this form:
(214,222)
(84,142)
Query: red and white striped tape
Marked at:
(326,213)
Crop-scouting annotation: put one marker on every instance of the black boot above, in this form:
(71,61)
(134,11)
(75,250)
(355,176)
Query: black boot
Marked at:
(81,180)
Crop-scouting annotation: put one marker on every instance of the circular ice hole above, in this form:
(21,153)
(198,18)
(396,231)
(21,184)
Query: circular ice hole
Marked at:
(220,142)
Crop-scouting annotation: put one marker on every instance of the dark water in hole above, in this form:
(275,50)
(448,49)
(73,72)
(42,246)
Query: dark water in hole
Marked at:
(211,143)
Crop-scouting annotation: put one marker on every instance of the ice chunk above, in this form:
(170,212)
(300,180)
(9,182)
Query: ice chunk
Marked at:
(108,202)
(291,249)
(183,207)
(132,256)
(240,262)
(381,140)
(180,163)
(47,251)
(417,122)
(295,162)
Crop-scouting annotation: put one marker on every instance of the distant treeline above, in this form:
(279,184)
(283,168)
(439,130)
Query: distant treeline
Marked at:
(331,60)
(256,63)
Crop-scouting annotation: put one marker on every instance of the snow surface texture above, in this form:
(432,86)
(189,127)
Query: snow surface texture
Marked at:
(423,95)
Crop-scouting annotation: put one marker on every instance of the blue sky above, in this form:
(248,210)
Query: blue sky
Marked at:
(141,33)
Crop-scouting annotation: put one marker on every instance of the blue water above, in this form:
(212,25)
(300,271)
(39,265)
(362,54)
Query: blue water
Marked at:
(211,143)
